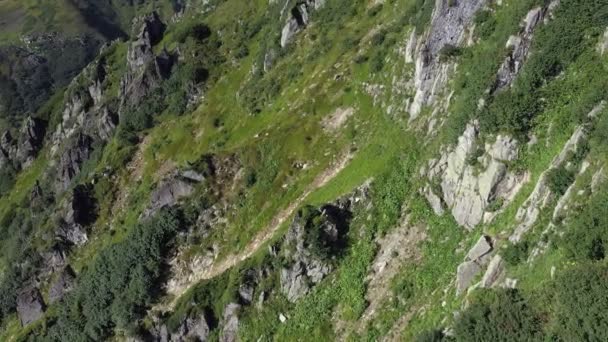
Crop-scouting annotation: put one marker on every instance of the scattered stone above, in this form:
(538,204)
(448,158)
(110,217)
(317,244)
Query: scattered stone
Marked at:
(282,318)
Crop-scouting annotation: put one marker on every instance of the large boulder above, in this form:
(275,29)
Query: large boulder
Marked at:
(477,257)
(30,306)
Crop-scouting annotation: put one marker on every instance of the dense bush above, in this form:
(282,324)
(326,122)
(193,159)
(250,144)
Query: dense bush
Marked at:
(585,235)
(559,179)
(556,46)
(579,301)
(119,285)
(513,254)
(502,315)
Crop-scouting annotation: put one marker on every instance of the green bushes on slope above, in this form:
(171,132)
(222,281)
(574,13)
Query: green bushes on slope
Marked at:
(116,289)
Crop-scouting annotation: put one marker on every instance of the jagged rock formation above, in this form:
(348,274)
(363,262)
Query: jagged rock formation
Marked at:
(297,20)
(449,22)
(314,238)
(519,46)
(79,213)
(468,190)
(20,153)
(145,70)
(529,212)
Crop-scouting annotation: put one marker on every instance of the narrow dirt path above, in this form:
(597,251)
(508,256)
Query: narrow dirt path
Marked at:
(264,236)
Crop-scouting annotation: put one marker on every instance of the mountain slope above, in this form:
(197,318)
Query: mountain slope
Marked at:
(313,170)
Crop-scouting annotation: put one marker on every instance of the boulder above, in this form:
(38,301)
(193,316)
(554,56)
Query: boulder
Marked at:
(465,274)
(192,329)
(481,249)
(62,284)
(30,306)
(494,272)
(167,194)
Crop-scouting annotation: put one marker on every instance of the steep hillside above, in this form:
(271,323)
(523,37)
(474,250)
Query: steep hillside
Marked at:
(304,170)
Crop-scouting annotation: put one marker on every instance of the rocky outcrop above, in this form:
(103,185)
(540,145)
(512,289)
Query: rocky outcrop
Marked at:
(80,211)
(169,193)
(20,153)
(230,323)
(145,70)
(476,258)
(298,19)
(471,178)
(315,237)
(30,306)
(449,22)
(62,284)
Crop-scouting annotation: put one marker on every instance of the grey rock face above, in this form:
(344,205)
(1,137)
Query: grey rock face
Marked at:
(448,24)
(465,274)
(192,329)
(468,190)
(477,257)
(482,248)
(494,272)
(62,285)
(30,306)
(230,323)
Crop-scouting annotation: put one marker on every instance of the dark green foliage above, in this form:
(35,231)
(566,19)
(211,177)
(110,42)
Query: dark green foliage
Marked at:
(579,302)
(448,52)
(434,335)
(556,46)
(7,179)
(122,281)
(514,254)
(585,235)
(485,24)
(559,179)
(502,315)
